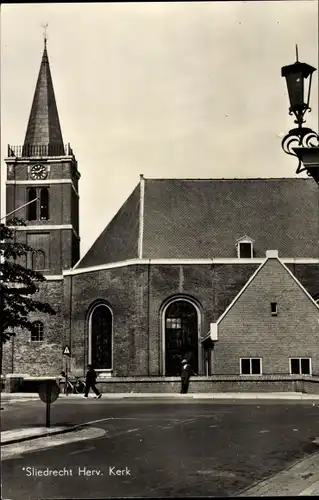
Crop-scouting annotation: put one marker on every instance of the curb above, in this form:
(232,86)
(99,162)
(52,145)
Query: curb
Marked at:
(45,434)
(245,492)
(14,397)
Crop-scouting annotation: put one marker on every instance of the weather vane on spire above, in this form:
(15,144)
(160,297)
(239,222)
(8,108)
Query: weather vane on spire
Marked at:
(45,33)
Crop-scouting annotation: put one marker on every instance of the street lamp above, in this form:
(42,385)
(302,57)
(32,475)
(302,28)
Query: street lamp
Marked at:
(301,142)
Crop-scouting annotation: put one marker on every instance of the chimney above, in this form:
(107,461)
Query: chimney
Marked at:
(272,254)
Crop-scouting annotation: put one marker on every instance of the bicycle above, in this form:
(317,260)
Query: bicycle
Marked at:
(77,387)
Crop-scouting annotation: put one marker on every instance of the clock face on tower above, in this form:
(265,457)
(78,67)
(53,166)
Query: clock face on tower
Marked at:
(38,172)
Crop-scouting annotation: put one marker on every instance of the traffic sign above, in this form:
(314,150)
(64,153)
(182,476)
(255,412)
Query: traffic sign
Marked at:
(49,391)
(66,351)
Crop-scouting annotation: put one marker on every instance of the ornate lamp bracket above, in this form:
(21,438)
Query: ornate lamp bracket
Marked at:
(301,137)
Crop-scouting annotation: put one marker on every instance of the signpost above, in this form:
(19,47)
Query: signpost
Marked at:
(67,353)
(49,392)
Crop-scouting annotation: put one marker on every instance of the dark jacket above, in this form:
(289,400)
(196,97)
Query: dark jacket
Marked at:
(91,376)
(187,371)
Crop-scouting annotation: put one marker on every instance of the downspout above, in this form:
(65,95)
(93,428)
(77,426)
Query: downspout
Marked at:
(141,217)
(140,256)
(70,323)
(148,314)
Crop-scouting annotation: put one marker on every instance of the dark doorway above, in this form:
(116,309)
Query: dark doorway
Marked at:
(181,336)
(101,337)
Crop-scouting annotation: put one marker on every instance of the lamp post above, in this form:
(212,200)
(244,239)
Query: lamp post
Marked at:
(302,142)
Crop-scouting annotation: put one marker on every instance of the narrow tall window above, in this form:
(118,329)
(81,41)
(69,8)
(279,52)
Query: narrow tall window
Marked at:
(273,308)
(44,204)
(37,332)
(32,207)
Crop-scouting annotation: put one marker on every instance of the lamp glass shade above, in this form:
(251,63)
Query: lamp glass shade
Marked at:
(295,86)
(296,75)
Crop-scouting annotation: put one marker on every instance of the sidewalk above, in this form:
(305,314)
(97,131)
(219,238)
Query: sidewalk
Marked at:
(300,479)
(297,396)
(19,435)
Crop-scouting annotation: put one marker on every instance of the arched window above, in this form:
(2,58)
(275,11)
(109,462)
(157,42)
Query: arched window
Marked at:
(32,207)
(100,337)
(37,332)
(44,204)
(181,325)
(38,260)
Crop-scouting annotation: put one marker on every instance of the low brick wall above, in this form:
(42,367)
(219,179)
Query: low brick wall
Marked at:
(271,383)
(20,383)
(213,384)
(310,385)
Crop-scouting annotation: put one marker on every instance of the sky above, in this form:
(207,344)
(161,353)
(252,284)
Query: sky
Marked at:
(180,89)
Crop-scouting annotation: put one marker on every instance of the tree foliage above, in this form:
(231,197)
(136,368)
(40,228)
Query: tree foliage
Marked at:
(18,284)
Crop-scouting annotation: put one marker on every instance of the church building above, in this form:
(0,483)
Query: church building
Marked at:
(224,272)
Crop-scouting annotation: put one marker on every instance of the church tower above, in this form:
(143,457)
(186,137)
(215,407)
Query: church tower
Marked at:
(43,175)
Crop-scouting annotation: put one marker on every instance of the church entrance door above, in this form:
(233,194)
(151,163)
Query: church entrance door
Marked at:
(181,336)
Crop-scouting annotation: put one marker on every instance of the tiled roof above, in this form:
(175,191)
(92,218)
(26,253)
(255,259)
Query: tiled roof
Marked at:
(204,218)
(44,126)
(119,240)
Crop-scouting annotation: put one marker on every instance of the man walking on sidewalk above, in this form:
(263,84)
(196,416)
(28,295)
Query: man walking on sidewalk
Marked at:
(90,382)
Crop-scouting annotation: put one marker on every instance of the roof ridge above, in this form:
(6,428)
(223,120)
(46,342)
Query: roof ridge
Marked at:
(224,178)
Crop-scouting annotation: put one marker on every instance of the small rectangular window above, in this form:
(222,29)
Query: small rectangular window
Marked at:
(37,332)
(250,366)
(273,306)
(300,366)
(245,250)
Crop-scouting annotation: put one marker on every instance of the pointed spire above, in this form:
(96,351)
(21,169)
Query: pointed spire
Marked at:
(43,128)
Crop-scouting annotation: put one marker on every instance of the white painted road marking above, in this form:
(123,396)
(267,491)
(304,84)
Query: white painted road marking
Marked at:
(82,451)
(12,450)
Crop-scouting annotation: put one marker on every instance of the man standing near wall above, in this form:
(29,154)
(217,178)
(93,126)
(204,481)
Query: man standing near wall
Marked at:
(187,371)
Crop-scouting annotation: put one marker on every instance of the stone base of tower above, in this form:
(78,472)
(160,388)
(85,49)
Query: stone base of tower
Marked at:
(20,356)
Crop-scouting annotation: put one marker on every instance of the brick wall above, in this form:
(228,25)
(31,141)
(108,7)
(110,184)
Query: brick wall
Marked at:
(212,384)
(210,287)
(39,358)
(137,294)
(123,289)
(63,208)
(249,329)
